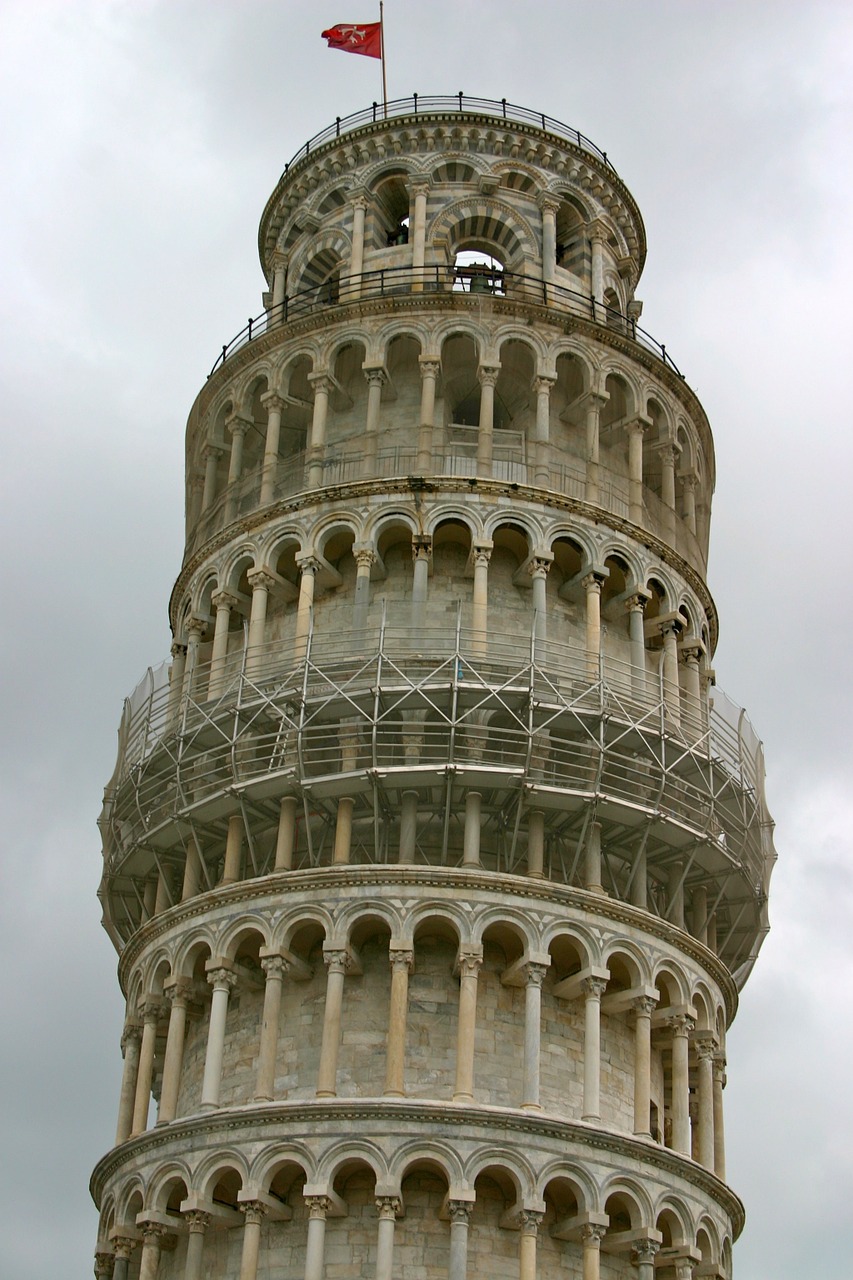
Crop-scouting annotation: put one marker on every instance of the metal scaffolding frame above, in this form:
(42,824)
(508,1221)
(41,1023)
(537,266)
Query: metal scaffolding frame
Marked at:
(525,722)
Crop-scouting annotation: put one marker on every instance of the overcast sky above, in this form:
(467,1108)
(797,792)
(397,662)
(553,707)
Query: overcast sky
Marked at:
(140,142)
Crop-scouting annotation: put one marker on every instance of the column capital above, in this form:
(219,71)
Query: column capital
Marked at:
(197,1221)
(594,988)
(238,426)
(365,557)
(460,1210)
(212,451)
(224,600)
(178,990)
(720,1068)
(419,186)
(644,1251)
(318,1207)
(534,973)
(150,1008)
(221,978)
(123,1246)
(637,600)
(421,547)
(548,203)
(689,479)
(592,1233)
(543,382)
(668,451)
(177,650)
(360,200)
(388,1207)
(598,231)
(104,1262)
(132,1031)
(681,1024)
(272,400)
(337,960)
(529,1221)
(488,374)
(308,563)
(402,959)
(430,366)
(538,566)
(254,1210)
(274,966)
(196,625)
(280,260)
(593,581)
(152,1232)
(321,381)
(374,376)
(644,1006)
(637,426)
(705,1048)
(469,963)
(261,579)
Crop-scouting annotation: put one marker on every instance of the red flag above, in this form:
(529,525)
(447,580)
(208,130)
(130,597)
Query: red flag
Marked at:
(363,37)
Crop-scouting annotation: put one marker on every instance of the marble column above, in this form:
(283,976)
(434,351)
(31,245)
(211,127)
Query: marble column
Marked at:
(460,1215)
(549,207)
(223,980)
(542,438)
(274,967)
(318,1207)
(534,975)
(668,453)
(681,1026)
(596,238)
(594,403)
(176,682)
(719,1133)
(421,556)
(670,631)
(376,379)
(536,844)
(538,570)
(123,1247)
(211,453)
(481,554)
(309,567)
(643,1254)
(592,860)
(262,582)
(705,1053)
(279,284)
(195,629)
(178,991)
(232,866)
(643,1008)
(365,558)
(238,429)
(254,1212)
(223,602)
(197,1224)
(635,431)
(104,1264)
(689,481)
(337,962)
(635,608)
(488,376)
(419,191)
(274,405)
(286,834)
(593,989)
(130,1042)
(149,1010)
(471,835)
(322,384)
(528,1231)
(192,869)
(591,1237)
(402,962)
(149,1262)
(387,1208)
(691,694)
(469,967)
(592,583)
(430,369)
(359,206)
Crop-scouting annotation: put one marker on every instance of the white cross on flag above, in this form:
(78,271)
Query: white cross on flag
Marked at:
(361,37)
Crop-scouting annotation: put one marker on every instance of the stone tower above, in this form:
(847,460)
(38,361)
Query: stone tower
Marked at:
(433,858)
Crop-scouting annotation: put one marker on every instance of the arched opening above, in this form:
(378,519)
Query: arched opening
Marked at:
(568,423)
(391,211)
(433,1010)
(572,245)
(514,412)
(422,1239)
(492,1246)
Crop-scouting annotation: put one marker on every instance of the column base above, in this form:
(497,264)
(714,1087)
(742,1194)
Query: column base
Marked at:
(463,1097)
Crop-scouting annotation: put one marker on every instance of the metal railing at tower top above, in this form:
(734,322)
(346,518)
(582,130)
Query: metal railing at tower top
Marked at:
(451,282)
(416,104)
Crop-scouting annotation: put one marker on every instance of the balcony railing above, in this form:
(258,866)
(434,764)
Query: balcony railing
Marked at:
(388,282)
(416,104)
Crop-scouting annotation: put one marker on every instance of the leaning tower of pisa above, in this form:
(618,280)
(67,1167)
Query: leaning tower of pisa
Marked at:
(433,857)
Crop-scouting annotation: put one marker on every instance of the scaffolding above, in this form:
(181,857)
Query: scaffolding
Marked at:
(527,723)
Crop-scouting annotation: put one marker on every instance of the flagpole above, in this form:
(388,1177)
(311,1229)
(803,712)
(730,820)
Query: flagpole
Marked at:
(382,47)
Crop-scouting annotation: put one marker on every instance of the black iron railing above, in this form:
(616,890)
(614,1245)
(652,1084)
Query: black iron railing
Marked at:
(416,104)
(391,281)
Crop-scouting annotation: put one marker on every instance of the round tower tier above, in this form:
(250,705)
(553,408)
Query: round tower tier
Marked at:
(434,859)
